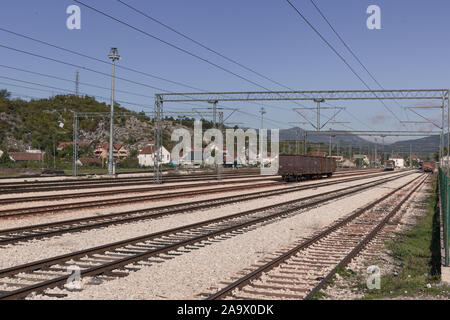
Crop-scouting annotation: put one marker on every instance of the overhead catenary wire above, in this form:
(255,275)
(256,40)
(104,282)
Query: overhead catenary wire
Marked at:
(178,48)
(352,51)
(201,44)
(73,81)
(99,60)
(340,56)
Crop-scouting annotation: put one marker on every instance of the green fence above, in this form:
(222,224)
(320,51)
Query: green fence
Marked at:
(444,190)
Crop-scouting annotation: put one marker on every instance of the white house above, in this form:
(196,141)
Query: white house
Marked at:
(399,161)
(146,155)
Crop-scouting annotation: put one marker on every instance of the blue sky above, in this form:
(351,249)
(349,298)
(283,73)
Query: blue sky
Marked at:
(410,51)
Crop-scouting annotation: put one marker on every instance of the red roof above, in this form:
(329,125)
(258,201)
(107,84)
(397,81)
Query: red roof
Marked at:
(81,144)
(27,156)
(149,149)
(105,145)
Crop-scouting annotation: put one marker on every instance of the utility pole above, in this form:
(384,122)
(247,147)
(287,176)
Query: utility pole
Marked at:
(410,156)
(77,84)
(261,162)
(329,148)
(219,165)
(114,56)
(297,142)
(305,147)
(75,144)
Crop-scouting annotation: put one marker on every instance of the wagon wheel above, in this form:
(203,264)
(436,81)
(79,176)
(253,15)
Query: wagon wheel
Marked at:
(299,178)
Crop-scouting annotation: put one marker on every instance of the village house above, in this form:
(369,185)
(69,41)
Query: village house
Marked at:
(26,156)
(146,155)
(398,160)
(347,163)
(119,151)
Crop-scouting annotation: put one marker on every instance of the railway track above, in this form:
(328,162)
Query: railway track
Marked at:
(116,259)
(28,187)
(14,235)
(56,197)
(300,272)
(103,193)
(43,186)
(44,209)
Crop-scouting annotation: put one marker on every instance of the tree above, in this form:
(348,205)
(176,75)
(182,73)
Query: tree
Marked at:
(5,94)
(5,160)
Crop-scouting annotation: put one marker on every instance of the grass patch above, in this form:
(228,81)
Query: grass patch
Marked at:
(418,251)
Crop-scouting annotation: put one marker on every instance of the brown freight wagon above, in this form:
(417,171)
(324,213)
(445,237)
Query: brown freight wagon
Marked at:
(298,167)
(428,166)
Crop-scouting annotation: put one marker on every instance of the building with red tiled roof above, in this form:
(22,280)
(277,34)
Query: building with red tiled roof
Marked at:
(146,155)
(102,151)
(26,156)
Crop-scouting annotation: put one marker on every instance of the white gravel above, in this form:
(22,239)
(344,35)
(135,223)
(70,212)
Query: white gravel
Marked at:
(188,275)
(48,218)
(312,220)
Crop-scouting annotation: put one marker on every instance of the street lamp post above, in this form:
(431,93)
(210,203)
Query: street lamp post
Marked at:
(114,56)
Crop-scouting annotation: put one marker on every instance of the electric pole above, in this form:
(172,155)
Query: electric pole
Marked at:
(114,56)
(77,84)
(263,111)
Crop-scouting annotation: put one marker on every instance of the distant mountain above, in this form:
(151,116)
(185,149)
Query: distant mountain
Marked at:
(347,140)
(423,147)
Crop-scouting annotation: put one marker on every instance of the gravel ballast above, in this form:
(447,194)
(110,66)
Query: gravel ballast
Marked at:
(189,274)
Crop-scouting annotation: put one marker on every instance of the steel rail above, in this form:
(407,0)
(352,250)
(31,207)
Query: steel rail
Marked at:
(26,187)
(56,197)
(30,187)
(292,207)
(256,274)
(13,235)
(10,213)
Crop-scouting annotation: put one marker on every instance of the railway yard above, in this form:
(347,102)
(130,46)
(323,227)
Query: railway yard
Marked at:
(245,237)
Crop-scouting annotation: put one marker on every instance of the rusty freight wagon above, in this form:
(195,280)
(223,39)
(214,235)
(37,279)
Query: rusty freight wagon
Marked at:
(428,166)
(298,167)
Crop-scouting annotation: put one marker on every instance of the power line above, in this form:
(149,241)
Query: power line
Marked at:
(340,56)
(172,45)
(201,44)
(65,90)
(72,81)
(97,59)
(351,51)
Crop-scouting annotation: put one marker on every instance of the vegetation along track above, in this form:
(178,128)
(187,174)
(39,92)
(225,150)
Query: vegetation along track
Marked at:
(14,235)
(112,260)
(44,209)
(301,271)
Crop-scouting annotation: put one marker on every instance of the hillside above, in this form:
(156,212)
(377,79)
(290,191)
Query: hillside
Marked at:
(36,123)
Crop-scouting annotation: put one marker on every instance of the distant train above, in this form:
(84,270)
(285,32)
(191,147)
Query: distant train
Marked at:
(428,166)
(389,165)
(300,167)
